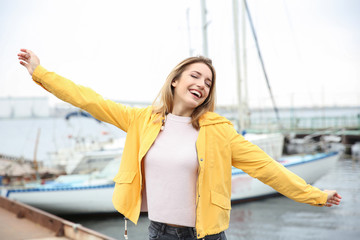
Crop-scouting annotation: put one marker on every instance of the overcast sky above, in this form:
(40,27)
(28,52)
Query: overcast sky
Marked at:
(125,49)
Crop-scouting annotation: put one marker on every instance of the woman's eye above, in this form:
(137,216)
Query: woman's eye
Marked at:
(194,76)
(208,84)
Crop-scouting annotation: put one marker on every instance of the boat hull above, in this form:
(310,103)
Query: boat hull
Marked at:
(98,198)
(70,200)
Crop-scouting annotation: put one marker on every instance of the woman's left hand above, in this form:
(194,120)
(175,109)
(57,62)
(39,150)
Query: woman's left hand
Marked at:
(28,59)
(333,198)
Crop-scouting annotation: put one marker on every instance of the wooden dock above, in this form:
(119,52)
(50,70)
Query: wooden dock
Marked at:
(20,221)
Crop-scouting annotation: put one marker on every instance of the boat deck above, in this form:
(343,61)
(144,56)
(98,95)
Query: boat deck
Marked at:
(21,221)
(13,227)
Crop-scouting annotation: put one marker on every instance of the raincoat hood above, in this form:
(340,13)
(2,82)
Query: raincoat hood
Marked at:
(211,118)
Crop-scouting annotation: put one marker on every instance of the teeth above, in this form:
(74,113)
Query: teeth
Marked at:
(196,93)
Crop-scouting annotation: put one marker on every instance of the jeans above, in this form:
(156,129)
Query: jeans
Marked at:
(161,231)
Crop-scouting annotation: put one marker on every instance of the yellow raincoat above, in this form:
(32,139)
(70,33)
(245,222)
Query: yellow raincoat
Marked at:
(219,147)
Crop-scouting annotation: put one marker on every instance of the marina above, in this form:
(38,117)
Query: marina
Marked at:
(249,220)
(287,78)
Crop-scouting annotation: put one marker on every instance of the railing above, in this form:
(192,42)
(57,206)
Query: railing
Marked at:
(305,123)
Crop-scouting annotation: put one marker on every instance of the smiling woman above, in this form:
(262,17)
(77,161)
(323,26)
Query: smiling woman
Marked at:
(189,90)
(178,154)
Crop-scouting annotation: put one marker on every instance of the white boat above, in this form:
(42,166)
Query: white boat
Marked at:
(91,159)
(69,194)
(271,143)
(86,154)
(92,193)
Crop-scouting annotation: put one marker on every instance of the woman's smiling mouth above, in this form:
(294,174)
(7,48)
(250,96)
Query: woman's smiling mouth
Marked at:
(195,93)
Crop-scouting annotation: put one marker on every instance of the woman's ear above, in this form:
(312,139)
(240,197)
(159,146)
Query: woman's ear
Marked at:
(174,83)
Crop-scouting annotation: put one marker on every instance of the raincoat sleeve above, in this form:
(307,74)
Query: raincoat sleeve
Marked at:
(85,98)
(255,162)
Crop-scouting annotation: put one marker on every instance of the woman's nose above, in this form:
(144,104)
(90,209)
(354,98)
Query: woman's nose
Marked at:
(201,84)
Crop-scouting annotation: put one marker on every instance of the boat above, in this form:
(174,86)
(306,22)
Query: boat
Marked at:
(86,155)
(70,194)
(26,222)
(271,143)
(91,159)
(92,193)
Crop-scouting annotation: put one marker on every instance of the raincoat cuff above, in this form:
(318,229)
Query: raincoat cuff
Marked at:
(322,200)
(37,74)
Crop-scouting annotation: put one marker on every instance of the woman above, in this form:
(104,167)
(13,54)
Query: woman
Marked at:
(183,149)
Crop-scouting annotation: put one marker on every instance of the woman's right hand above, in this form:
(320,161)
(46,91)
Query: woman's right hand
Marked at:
(29,60)
(333,198)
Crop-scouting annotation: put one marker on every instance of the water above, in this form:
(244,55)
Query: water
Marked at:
(273,218)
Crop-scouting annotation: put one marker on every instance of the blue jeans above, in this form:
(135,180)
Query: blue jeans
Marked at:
(161,231)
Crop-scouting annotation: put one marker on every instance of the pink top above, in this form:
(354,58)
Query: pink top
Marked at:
(171,172)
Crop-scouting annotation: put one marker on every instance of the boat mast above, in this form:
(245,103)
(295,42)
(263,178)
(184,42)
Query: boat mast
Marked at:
(204,30)
(244,68)
(262,64)
(191,52)
(240,64)
(35,162)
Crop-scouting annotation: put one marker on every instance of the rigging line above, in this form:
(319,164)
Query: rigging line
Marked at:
(262,64)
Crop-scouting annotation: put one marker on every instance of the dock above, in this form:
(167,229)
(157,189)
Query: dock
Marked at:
(345,127)
(21,221)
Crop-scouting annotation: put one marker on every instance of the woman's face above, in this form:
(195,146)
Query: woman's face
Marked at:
(191,88)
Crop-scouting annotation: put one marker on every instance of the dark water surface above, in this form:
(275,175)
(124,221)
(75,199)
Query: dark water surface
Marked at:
(272,218)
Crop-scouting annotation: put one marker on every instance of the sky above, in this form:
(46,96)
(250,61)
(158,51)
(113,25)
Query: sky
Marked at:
(124,50)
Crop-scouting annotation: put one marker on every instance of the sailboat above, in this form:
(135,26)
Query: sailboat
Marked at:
(310,167)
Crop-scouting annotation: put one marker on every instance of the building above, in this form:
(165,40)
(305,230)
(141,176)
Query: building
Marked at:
(24,107)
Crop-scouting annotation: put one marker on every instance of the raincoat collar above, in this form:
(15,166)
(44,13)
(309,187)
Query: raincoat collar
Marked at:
(211,118)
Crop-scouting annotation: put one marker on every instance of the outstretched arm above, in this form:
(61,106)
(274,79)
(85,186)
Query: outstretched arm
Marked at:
(254,161)
(77,95)
(28,59)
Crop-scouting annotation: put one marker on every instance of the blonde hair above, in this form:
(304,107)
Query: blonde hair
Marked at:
(163,103)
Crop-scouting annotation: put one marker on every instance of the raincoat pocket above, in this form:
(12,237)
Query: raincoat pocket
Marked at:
(124,177)
(220,200)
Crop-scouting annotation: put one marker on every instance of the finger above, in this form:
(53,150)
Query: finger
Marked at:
(24,50)
(24,60)
(24,57)
(337,199)
(23,54)
(23,63)
(334,202)
(338,195)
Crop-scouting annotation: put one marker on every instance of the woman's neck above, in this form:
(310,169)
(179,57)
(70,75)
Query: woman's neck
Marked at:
(181,112)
